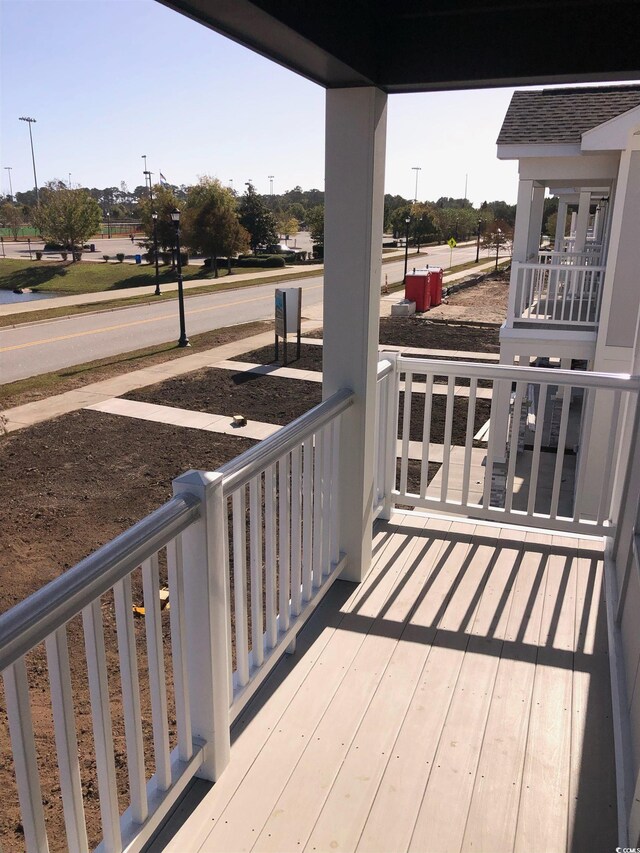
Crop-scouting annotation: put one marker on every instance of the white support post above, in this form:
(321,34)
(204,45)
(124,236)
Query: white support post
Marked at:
(561,224)
(582,220)
(391,435)
(206,598)
(535,222)
(572,227)
(523,220)
(354,200)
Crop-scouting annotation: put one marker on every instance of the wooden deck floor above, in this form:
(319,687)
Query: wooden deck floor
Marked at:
(458,700)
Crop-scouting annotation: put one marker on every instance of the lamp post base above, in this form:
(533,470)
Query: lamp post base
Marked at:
(184,342)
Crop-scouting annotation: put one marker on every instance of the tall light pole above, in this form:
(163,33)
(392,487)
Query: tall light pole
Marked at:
(417,170)
(69,180)
(109,224)
(498,235)
(154,216)
(406,248)
(8,168)
(183,340)
(478,243)
(270,184)
(31,121)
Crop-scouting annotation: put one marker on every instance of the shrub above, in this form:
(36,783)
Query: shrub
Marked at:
(54,247)
(120,256)
(105,258)
(166,257)
(261,262)
(77,255)
(64,255)
(38,256)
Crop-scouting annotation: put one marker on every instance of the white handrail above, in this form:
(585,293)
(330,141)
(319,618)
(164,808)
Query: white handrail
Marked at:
(31,621)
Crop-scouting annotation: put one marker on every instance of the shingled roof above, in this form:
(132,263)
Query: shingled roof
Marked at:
(552,116)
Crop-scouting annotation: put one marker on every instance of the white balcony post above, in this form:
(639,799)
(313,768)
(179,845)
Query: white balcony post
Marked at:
(523,221)
(354,207)
(206,598)
(535,222)
(561,225)
(572,227)
(582,220)
(391,435)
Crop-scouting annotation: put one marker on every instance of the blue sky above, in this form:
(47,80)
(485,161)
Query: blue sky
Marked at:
(111,80)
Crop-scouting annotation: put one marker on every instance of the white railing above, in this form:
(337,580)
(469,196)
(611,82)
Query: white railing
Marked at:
(531,473)
(555,294)
(586,258)
(386,415)
(281,498)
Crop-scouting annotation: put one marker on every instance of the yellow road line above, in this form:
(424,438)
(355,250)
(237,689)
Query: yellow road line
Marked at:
(137,323)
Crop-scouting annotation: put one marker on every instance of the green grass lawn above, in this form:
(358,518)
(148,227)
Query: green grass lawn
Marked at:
(89,277)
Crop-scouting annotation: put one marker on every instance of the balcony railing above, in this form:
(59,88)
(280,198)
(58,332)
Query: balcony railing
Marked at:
(504,443)
(234,611)
(555,294)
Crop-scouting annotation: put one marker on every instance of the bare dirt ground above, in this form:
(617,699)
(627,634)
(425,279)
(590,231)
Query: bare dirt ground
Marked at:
(71,484)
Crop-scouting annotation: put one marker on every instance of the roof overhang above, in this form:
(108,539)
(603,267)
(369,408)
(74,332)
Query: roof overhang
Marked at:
(522,151)
(613,135)
(423,45)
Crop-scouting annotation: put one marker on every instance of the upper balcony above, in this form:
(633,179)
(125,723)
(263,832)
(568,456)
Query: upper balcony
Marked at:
(457,699)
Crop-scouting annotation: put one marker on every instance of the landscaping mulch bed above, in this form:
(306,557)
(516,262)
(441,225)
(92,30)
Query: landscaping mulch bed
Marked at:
(272,399)
(421,331)
(310,357)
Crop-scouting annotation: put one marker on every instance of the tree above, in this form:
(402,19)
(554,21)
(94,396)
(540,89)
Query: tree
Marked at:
(164,201)
(286,224)
(315,224)
(12,217)
(68,217)
(257,219)
(211,225)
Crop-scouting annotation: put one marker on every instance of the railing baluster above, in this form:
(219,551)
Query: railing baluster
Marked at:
(327,497)
(131,698)
(177,620)
(270,556)
(446,444)
(406,432)
(317,510)
(284,541)
(66,741)
(157,677)
(296,531)
(307,516)
(426,436)
(537,445)
(16,686)
(335,493)
(468,446)
(101,717)
(513,445)
(255,528)
(240,586)
(560,451)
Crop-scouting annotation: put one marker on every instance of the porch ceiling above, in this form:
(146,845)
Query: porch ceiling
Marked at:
(422,45)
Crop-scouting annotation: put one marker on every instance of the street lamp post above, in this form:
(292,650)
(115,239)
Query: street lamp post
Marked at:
(417,170)
(154,216)
(418,235)
(270,184)
(478,242)
(498,235)
(9,168)
(109,224)
(31,121)
(183,340)
(406,247)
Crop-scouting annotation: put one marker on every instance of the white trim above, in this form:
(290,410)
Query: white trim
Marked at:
(519,150)
(621,727)
(614,134)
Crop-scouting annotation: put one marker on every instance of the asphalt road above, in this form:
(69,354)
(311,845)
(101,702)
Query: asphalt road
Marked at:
(34,348)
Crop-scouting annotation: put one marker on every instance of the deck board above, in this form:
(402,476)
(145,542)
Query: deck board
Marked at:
(457,700)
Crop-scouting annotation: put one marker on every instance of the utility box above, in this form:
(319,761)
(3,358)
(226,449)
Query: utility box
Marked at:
(424,287)
(416,289)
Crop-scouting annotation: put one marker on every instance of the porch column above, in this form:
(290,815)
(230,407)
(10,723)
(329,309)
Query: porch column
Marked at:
(356,121)
(582,220)
(561,224)
(523,220)
(574,218)
(535,222)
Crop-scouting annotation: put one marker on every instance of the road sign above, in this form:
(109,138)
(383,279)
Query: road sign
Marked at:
(451,243)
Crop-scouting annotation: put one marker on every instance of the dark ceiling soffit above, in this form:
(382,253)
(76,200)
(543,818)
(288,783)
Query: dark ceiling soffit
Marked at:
(244,23)
(338,45)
